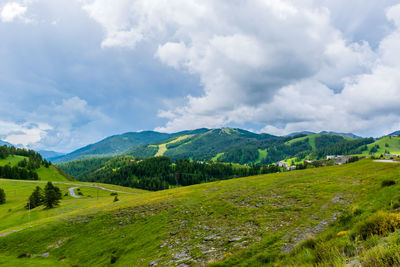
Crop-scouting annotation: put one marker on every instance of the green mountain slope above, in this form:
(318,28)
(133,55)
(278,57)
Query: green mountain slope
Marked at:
(384,145)
(224,144)
(204,145)
(113,145)
(254,221)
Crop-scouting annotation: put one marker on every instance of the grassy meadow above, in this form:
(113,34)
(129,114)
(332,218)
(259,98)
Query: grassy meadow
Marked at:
(283,219)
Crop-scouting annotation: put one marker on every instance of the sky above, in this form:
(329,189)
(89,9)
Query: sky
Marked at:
(75,71)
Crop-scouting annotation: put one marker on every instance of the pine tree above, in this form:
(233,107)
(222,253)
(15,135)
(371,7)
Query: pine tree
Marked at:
(2,196)
(52,195)
(36,199)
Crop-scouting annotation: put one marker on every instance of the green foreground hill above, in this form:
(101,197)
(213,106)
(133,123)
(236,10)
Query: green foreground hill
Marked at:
(253,221)
(50,173)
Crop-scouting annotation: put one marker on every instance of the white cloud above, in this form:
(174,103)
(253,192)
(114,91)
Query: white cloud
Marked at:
(12,11)
(281,63)
(74,123)
(64,125)
(24,134)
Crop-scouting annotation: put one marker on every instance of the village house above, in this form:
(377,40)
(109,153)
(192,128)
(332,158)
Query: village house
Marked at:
(282,164)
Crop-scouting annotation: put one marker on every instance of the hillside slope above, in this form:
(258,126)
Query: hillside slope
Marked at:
(113,145)
(253,221)
(203,145)
(384,145)
(50,173)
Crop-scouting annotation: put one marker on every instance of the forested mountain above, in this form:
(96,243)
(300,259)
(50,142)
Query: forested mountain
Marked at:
(113,145)
(204,145)
(223,144)
(214,154)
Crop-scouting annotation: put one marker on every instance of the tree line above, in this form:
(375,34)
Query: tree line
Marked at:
(18,173)
(158,173)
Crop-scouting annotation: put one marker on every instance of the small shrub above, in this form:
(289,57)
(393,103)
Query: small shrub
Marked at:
(116,199)
(353,159)
(350,250)
(114,194)
(345,218)
(2,196)
(382,256)
(388,182)
(381,223)
(80,193)
(310,243)
(324,253)
(113,259)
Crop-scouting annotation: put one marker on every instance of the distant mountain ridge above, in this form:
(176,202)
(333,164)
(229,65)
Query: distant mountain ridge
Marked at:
(394,133)
(4,143)
(218,144)
(348,135)
(113,145)
(47,154)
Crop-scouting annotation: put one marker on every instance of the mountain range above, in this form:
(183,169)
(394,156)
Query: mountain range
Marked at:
(202,144)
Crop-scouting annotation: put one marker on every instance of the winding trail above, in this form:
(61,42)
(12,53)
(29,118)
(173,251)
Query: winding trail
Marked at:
(72,192)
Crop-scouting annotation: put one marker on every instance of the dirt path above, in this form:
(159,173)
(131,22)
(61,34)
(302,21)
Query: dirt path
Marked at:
(72,192)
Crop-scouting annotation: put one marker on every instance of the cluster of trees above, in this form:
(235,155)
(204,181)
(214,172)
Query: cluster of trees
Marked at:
(6,151)
(374,149)
(79,167)
(16,172)
(49,197)
(346,148)
(25,169)
(2,196)
(157,173)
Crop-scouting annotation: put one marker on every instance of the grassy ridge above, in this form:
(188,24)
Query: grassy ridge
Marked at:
(250,221)
(391,144)
(45,174)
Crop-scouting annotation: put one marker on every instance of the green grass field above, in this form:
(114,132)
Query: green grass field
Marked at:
(253,221)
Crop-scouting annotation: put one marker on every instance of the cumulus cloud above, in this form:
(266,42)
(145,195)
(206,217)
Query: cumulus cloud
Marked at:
(12,11)
(63,125)
(290,65)
(73,122)
(23,134)
(272,65)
